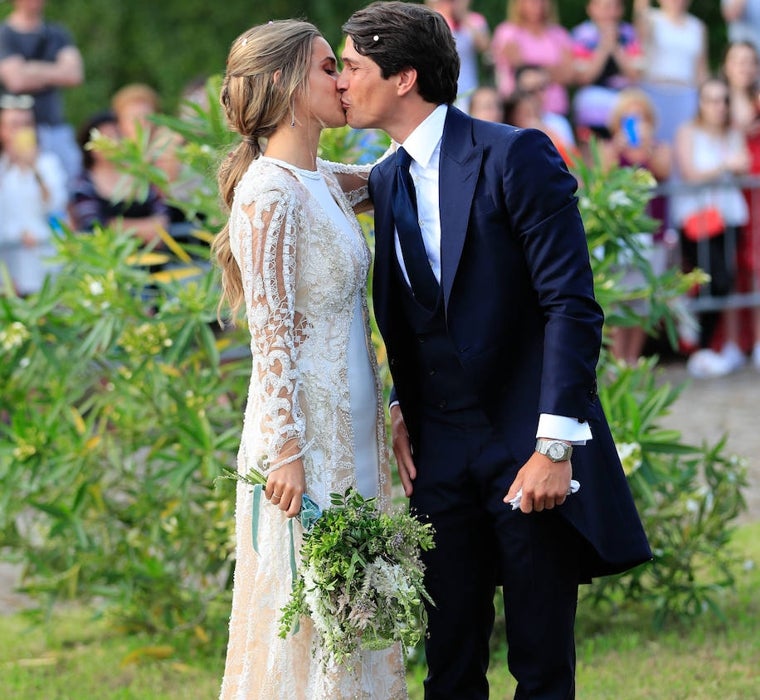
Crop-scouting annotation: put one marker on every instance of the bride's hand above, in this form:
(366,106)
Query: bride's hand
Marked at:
(285,487)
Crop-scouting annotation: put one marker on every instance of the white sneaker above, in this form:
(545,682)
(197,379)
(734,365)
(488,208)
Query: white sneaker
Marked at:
(756,356)
(706,363)
(733,356)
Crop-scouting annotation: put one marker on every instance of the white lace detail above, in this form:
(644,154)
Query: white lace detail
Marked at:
(301,278)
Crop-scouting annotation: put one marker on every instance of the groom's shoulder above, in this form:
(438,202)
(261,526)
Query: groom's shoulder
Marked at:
(494,132)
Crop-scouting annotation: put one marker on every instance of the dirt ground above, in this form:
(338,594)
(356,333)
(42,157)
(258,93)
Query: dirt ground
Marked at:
(709,408)
(705,410)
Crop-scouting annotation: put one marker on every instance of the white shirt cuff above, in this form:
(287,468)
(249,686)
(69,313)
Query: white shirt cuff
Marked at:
(563,428)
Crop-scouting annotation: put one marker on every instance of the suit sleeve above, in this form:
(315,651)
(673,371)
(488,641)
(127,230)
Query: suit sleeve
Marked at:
(540,199)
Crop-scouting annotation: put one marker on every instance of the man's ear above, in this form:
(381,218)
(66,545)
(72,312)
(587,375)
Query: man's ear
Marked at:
(406,81)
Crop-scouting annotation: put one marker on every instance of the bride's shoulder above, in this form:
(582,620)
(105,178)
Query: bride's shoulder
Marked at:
(263,181)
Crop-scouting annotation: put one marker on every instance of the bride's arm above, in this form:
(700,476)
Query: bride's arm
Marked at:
(353,179)
(268,255)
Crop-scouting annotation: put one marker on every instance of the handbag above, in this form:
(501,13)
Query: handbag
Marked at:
(705,223)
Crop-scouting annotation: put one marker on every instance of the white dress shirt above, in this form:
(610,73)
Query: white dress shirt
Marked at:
(424,147)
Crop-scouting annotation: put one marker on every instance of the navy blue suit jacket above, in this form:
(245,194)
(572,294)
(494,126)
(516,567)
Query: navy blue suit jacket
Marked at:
(520,309)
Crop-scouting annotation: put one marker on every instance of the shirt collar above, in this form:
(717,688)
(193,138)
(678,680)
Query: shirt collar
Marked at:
(423,141)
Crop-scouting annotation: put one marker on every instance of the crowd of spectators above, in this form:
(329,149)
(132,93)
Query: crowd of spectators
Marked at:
(48,175)
(642,89)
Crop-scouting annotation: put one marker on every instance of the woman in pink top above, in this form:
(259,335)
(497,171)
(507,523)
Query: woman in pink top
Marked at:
(532,35)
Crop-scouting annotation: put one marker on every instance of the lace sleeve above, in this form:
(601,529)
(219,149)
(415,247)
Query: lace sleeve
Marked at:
(353,179)
(268,255)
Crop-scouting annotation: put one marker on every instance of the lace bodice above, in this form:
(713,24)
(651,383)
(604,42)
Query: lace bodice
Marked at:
(302,277)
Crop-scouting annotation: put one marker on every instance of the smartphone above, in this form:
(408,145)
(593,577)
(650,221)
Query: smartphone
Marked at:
(631,129)
(25,140)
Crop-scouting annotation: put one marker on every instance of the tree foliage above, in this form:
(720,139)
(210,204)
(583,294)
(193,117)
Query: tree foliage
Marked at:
(169,43)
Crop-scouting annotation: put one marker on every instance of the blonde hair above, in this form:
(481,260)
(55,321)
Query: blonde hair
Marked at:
(514,17)
(626,100)
(267,67)
(135,92)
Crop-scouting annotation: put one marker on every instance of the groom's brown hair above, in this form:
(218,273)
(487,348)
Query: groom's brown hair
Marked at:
(398,35)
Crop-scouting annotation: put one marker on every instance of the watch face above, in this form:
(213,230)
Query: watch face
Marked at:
(557,450)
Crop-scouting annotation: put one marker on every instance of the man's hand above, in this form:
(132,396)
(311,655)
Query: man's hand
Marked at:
(402,449)
(544,483)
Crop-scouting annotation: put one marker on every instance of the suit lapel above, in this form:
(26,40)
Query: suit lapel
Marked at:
(458,176)
(381,181)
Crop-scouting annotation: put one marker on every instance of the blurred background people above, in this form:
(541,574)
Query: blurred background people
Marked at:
(97,198)
(741,70)
(533,80)
(38,58)
(133,106)
(632,126)
(743,19)
(32,196)
(675,61)
(532,35)
(608,58)
(523,109)
(486,103)
(709,152)
(473,39)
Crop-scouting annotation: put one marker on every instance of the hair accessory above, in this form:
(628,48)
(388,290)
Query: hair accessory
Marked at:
(251,140)
(375,38)
(245,41)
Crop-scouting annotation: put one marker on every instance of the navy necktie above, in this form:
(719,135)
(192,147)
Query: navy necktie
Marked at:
(404,204)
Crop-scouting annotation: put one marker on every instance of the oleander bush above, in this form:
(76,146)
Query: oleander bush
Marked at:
(121,403)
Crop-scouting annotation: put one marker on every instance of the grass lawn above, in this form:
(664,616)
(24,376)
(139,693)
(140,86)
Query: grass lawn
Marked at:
(77,658)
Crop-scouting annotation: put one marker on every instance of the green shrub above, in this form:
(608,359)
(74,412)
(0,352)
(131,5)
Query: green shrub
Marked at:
(121,402)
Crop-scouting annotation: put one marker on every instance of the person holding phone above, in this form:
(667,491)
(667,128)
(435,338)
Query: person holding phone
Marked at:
(32,191)
(632,142)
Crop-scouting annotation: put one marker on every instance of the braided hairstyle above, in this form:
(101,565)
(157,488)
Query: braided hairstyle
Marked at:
(267,67)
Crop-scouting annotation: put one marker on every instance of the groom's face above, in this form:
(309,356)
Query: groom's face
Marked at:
(368,99)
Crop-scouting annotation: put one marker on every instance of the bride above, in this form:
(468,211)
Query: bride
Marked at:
(294,255)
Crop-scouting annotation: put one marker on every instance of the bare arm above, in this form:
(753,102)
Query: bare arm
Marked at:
(703,70)
(684,152)
(146,228)
(641,19)
(563,72)
(20,76)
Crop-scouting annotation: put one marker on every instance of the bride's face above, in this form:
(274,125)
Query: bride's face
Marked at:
(321,101)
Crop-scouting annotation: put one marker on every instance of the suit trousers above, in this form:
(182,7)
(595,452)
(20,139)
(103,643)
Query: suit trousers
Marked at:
(464,469)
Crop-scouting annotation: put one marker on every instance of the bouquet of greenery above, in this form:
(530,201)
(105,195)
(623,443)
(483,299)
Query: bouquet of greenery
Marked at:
(360,576)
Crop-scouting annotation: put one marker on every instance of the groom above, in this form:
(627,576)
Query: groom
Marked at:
(484,296)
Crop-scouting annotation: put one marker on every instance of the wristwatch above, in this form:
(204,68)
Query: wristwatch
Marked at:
(555,450)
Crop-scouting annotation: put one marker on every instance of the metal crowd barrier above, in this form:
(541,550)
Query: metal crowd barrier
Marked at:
(739,241)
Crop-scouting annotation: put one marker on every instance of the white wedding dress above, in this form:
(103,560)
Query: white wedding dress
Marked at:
(304,264)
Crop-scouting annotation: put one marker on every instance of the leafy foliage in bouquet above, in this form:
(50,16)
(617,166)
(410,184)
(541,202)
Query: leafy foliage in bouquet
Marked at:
(360,578)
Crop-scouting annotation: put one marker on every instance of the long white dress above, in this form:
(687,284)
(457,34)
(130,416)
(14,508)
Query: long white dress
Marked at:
(304,274)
